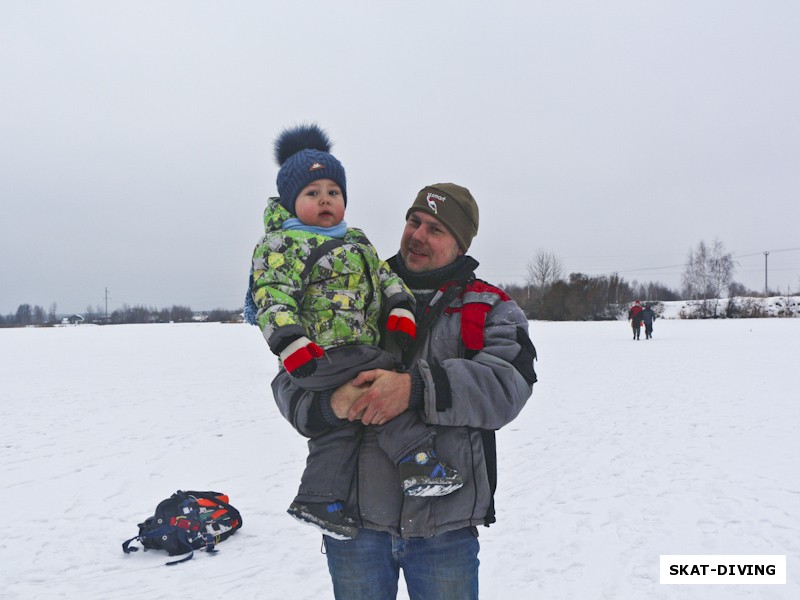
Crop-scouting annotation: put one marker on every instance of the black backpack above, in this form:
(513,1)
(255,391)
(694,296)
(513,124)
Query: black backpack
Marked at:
(185,522)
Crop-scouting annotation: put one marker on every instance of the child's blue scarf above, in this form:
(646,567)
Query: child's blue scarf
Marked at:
(295,224)
(292,224)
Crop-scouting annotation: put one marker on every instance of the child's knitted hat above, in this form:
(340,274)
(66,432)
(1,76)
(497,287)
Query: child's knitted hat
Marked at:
(303,153)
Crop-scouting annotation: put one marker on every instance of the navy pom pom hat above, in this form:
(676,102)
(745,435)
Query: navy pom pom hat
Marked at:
(303,153)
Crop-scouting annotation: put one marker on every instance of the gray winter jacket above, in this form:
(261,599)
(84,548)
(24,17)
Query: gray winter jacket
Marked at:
(468,394)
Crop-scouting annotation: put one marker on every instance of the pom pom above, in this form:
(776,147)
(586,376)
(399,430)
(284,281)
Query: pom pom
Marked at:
(302,137)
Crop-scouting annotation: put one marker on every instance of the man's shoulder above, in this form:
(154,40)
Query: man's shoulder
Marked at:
(499,304)
(479,286)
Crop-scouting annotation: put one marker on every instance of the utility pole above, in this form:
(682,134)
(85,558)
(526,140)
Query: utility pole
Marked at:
(766,287)
(106,303)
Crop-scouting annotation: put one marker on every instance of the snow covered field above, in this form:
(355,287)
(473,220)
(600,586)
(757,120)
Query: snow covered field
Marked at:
(684,444)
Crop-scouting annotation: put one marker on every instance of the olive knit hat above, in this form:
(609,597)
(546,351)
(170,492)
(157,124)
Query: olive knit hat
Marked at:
(303,153)
(454,206)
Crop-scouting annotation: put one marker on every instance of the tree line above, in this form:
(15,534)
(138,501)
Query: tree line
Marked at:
(549,295)
(28,315)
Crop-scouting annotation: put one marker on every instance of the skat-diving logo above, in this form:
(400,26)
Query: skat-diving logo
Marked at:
(432,199)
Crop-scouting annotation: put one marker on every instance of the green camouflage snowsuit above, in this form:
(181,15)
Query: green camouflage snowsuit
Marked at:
(338,293)
(334,291)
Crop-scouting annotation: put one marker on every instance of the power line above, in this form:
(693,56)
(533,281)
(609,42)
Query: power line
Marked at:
(650,268)
(518,272)
(684,264)
(762,252)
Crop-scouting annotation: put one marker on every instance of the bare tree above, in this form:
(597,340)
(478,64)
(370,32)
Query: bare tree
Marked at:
(24,314)
(39,315)
(721,268)
(694,272)
(543,271)
(180,314)
(707,272)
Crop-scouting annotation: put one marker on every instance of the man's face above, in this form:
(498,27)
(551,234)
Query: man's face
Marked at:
(427,244)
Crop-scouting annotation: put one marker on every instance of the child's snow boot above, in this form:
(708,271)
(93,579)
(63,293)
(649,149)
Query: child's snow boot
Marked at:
(328,517)
(424,475)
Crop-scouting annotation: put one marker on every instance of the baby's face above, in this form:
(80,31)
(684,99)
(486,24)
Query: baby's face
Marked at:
(320,203)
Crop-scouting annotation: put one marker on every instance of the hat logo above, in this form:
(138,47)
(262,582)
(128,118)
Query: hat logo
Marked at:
(315,166)
(432,199)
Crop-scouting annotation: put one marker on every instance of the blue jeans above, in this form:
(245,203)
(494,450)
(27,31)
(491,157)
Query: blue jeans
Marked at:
(443,567)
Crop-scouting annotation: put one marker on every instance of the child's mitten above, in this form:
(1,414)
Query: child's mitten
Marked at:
(300,356)
(402,326)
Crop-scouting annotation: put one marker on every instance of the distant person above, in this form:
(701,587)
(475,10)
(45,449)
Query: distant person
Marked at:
(636,321)
(321,297)
(647,316)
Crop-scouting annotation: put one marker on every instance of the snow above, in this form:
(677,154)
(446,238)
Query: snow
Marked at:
(684,444)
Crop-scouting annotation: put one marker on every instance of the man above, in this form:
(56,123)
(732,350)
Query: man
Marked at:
(647,316)
(469,372)
(636,320)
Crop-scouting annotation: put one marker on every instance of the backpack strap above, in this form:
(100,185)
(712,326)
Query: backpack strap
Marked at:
(126,545)
(183,537)
(478,299)
(187,539)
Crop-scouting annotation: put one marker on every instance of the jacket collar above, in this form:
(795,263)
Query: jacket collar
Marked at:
(461,268)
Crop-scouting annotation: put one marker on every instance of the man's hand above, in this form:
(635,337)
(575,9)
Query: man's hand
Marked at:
(387,395)
(344,397)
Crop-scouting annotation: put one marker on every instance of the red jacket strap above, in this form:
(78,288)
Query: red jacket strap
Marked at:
(478,299)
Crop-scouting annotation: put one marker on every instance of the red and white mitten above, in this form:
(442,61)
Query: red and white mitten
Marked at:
(402,326)
(299,357)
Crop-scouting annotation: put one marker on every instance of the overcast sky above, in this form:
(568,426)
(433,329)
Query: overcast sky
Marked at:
(136,137)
